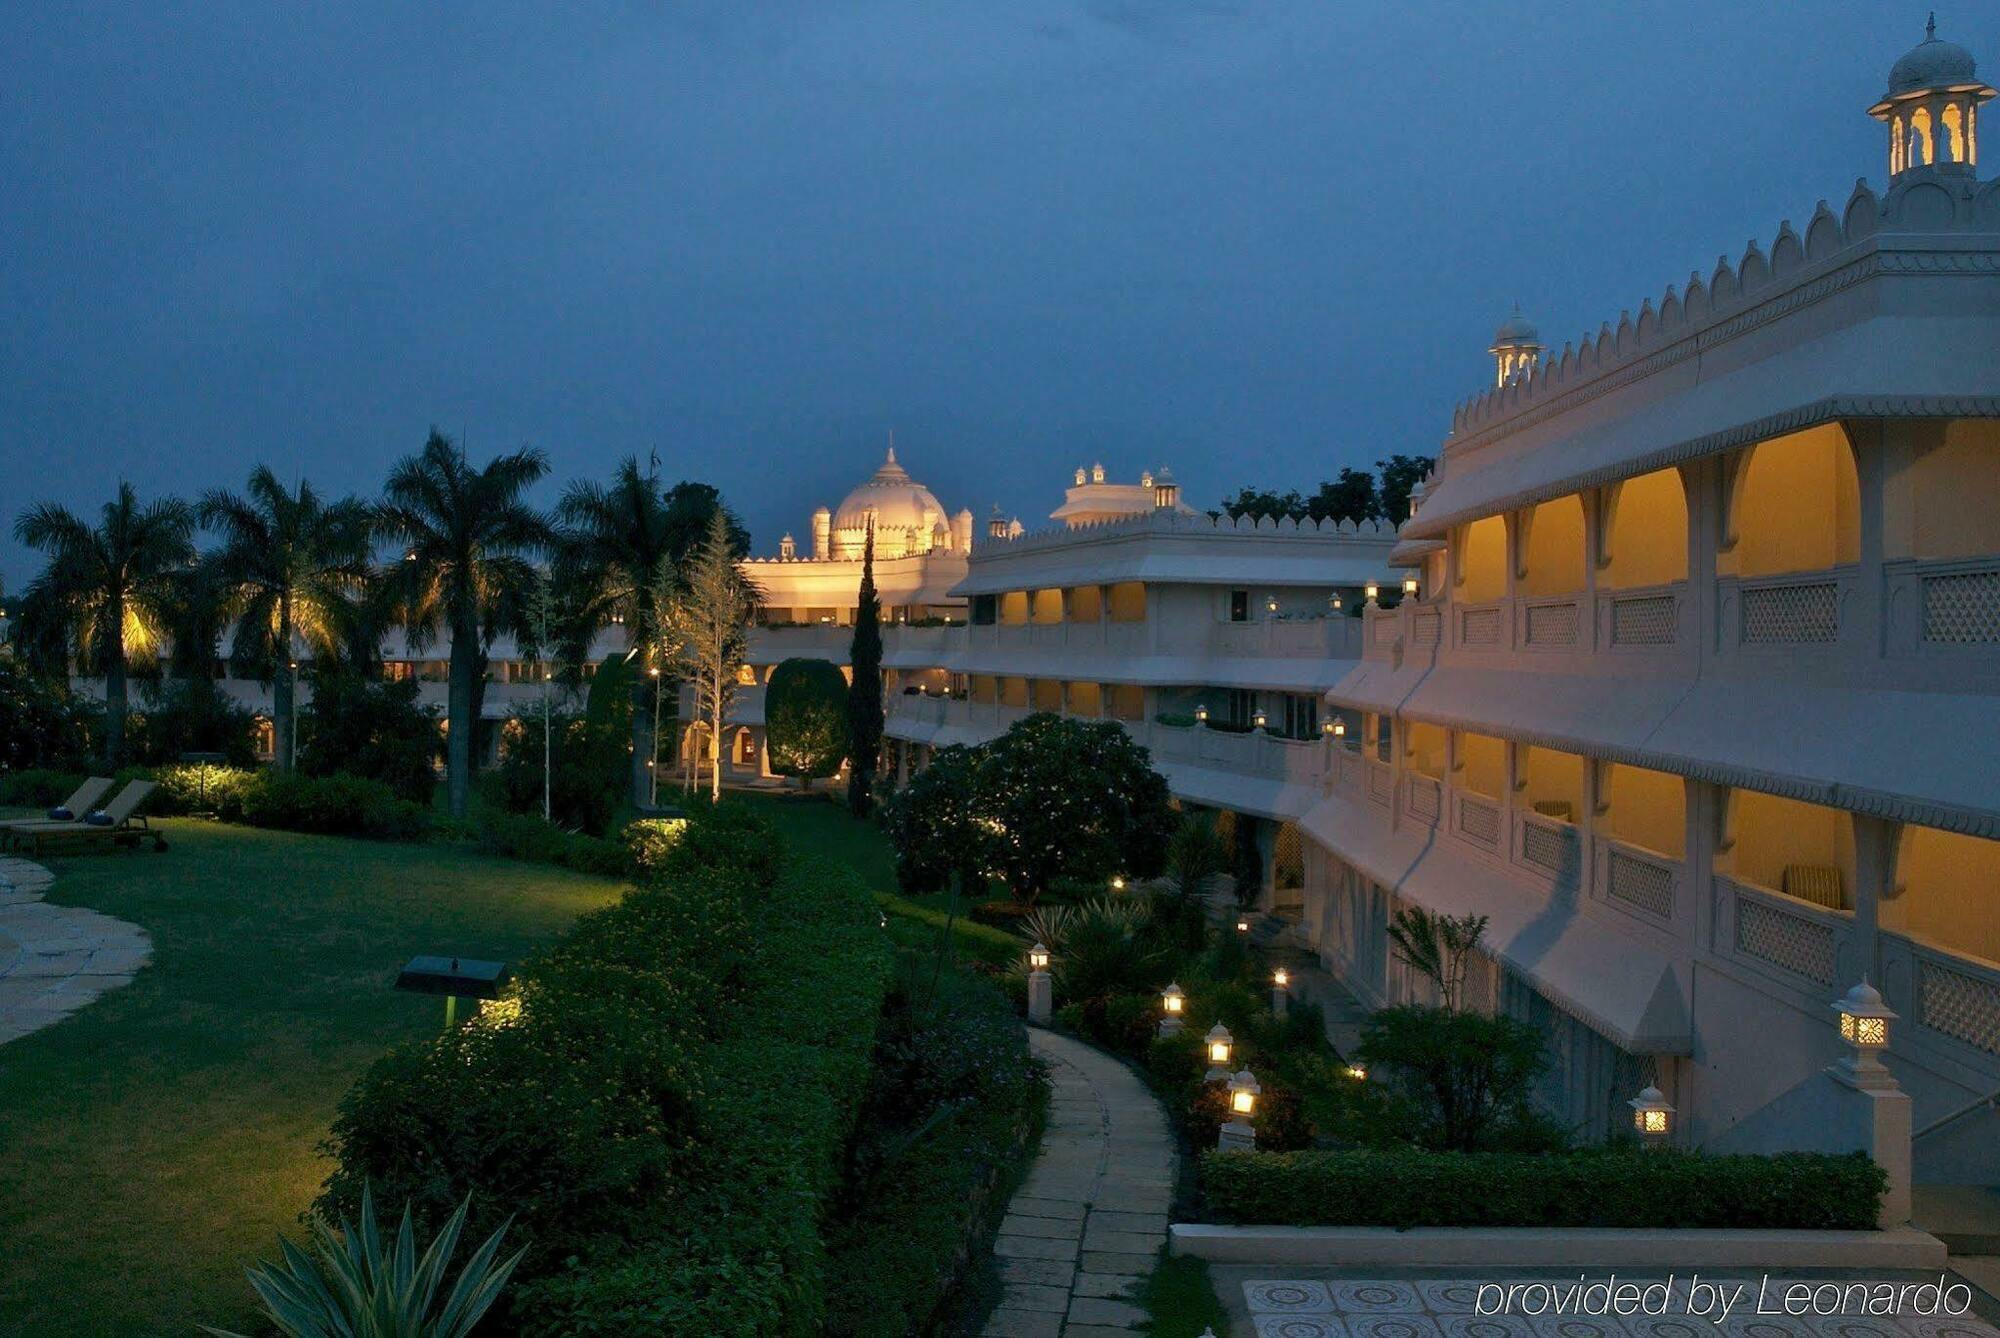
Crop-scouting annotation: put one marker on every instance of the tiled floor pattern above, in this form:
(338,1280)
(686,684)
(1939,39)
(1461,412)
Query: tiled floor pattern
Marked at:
(1447,1308)
(56,959)
(1087,1224)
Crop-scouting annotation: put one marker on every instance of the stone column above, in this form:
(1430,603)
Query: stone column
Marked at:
(1861,622)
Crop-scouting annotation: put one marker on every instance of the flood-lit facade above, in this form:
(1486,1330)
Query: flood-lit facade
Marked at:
(1700,703)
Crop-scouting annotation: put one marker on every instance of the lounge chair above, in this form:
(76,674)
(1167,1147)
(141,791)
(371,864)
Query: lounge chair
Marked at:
(86,797)
(118,821)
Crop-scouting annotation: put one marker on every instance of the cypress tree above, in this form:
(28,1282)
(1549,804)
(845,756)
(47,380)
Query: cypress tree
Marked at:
(864,697)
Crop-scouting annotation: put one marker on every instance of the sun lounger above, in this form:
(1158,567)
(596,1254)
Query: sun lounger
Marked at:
(118,821)
(86,798)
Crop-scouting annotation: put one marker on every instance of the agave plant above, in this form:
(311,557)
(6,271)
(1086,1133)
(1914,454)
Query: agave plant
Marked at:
(353,1286)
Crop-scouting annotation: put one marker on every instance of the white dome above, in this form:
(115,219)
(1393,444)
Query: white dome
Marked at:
(1932,63)
(897,501)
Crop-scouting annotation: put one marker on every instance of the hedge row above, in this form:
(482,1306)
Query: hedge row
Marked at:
(665,1112)
(955,1110)
(1652,1188)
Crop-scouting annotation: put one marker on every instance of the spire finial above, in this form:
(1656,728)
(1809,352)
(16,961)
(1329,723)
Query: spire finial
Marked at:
(1930,27)
(892,445)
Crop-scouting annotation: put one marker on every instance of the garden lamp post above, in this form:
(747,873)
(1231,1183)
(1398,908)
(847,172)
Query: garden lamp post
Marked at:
(294,667)
(1220,1045)
(1173,1003)
(1356,1072)
(1041,989)
(1201,713)
(1864,1024)
(1333,602)
(1259,721)
(653,764)
(1371,592)
(1652,1116)
(1281,992)
(1242,924)
(1239,1131)
(1409,587)
(1882,1103)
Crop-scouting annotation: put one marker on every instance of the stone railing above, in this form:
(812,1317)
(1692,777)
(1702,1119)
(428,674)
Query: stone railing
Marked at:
(1478,820)
(1638,879)
(1943,607)
(1792,612)
(1547,845)
(1799,939)
(1946,995)
(1423,799)
(1646,618)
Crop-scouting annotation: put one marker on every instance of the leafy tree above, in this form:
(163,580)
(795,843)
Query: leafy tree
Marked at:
(192,715)
(105,591)
(1265,505)
(864,697)
(1351,497)
(360,726)
(1437,947)
(691,507)
(805,719)
(468,535)
(704,617)
(1401,473)
(584,755)
(616,545)
(1072,800)
(291,565)
(1458,1081)
(935,825)
(41,723)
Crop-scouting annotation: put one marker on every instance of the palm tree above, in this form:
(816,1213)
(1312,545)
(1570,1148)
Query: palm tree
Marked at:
(615,544)
(106,590)
(291,565)
(467,537)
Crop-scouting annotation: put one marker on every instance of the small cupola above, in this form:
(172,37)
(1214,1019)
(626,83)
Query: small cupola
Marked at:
(1516,348)
(1932,108)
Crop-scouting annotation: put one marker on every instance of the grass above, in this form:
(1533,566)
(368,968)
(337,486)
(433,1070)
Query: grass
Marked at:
(821,826)
(154,1143)
(1180,1300)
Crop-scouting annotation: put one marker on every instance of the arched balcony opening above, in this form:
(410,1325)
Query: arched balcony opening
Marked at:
(1644,541)
(1645,808)
(1014,692)
(1947,895)
(1014,609)
(1551,548)
(1424,749)
(1086,604)
(1086,699)
(984,689)
(1550,783)
(1045,694)
(1794,505)
(1128,602)
(744,751)
(1047,608)
(1479,765)
(1798,850)
(1941,488)
(1479,561)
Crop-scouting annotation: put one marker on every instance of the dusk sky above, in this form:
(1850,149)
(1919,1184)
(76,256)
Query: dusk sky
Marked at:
(1252,241)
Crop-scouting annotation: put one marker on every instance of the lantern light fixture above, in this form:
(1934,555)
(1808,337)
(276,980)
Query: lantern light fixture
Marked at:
(1373,591)
(1038,958)
(1117,882)
(1219,1046)
(1173,1000)
(1410,587)
(1260,720)
(1333,601)
(1242,924)
(1864,1024)
(1356,1072)
(1243,1093)
(1281,978)
(1270,603)
(1201,713)
(1652,1115)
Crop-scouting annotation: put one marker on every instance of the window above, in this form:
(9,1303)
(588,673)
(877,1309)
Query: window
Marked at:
(1242,708)
(1239,606)
(985,610)
(1301,717)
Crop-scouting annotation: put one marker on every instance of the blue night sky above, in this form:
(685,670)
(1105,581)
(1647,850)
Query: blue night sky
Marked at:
(1252,241)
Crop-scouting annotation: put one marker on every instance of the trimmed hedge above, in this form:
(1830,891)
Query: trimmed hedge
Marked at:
(957,1108)
(666,1111)
(1653,1188)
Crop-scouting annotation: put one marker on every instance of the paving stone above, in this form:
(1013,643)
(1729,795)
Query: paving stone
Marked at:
(1048,1228)
(1099,1331)
(1107,1311)
(1030,1296)
(1122,1242)
(1106,1284)
(1034,1247)
(1136,1265)
(1069,1210)
(1156,1223)
(1006,1323)
(1037,1272)
(56,959)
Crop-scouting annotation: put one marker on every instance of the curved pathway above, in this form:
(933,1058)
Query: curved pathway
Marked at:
(56,959)
(1086,1226)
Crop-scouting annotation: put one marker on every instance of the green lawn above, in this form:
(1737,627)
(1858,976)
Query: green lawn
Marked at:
(155,1142)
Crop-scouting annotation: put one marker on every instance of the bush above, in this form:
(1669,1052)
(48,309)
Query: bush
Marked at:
(194,715)
(1457,1081)
(805,719)
(42,725)
(37,787)
(362,727)
(954,1106)
(327,805)
(664,1111)
(650,842)
(589,768)
(1653,1189)
(527,837)
(934,824)
(197,787)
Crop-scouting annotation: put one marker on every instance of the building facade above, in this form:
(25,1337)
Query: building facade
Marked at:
(1701,699)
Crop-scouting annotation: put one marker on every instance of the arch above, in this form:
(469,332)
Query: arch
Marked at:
(1479,560)
(1951,131)
(1899,146)
(1945,893)
(743,751)
(1797,504)
(1921,145)
(1643,531)
(1551,548)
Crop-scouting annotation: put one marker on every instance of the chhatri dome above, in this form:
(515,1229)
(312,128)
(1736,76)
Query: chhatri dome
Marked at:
(1932,108)
(1516,348)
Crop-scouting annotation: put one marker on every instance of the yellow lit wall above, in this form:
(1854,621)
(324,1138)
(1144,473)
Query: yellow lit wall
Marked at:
(1423,749)
(985,688)
(1551,778)
(1014,608)
(1554,556)
(1647,808)
(1647,538)
(1951,892)
(1086,699)
(1941,488)
(1482,560)
(1048,607)
(1772,832)
(1128,702)
(1013,692)
(1046,694)
(1798,507)
(1128,602)
(1482,764)
(1086,604)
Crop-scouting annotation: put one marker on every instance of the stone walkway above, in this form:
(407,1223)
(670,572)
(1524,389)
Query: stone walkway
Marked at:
(1087,1225)
(56,959)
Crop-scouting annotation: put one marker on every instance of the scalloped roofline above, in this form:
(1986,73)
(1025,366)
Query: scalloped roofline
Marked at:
(1170,522)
